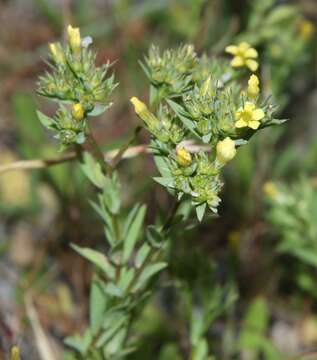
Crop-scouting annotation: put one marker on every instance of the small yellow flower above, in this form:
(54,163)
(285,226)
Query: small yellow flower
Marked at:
(306,29)
(249,116)
(253,86)
(74,38)
(270,189)
(244,55)
(226,150)
(78,111)
(15,353)
(183,156)
(57,52)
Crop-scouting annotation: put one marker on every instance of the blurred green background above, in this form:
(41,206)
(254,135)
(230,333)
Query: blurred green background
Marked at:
(259,256)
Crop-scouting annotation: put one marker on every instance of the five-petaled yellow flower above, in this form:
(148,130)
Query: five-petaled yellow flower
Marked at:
(249,116)
(253,86)
(244,55)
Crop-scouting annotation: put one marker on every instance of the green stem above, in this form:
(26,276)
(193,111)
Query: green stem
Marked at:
(124,147)
(97,153)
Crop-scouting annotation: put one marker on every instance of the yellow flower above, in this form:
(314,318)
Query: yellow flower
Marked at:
(57,52)
(78,111)
(15,353)
(270,189)
(226,150)
(74,38)
(183,156)
(244,55)
(253,86)
(306,29)
(249,116)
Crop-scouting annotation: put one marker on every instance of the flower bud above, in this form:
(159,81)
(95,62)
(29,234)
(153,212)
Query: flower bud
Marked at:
(253,86)
(183,157)
(57,52)
(226,150)
(74,39)
(15,353)
(144,113)
(270,189)
(78,112)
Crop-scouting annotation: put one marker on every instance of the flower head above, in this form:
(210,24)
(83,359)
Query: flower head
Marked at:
(78,111)
(244,55)
(253,86)
(226,150)
(57,52)
(74,38)
(249,116)
(183,156)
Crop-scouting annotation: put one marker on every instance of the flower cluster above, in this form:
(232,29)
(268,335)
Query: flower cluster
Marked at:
(198,116)
(77,84)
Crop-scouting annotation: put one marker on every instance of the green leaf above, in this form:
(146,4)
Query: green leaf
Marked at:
(99,109)
(200,211)
(93,171)
(133,233)
(148,272)
(141,255)
(98,302)
(97,258)
(167,182)
(154,236)
(45,120)
(111,194)
(181,114)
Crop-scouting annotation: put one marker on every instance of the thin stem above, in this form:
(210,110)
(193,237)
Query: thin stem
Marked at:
(125,147)
(97,153)
(44,163)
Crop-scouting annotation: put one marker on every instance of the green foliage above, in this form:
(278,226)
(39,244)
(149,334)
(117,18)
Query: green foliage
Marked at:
(124,274)
(292,214)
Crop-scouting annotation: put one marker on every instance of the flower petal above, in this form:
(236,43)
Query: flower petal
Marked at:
(258,114)
(240,124)
(251,53)
(244,46)
(237,61)
(249,106)
(232,49)
(254,124)
(252,64)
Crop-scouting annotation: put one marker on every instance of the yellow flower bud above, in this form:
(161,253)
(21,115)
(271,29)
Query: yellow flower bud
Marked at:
(253,86)
(143,112)
(74,38)
(226,150)
(183,156)
(205,86)
(78,111)
(15,353)
(270,189)
(306,29)
(57,52)
(139,106)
